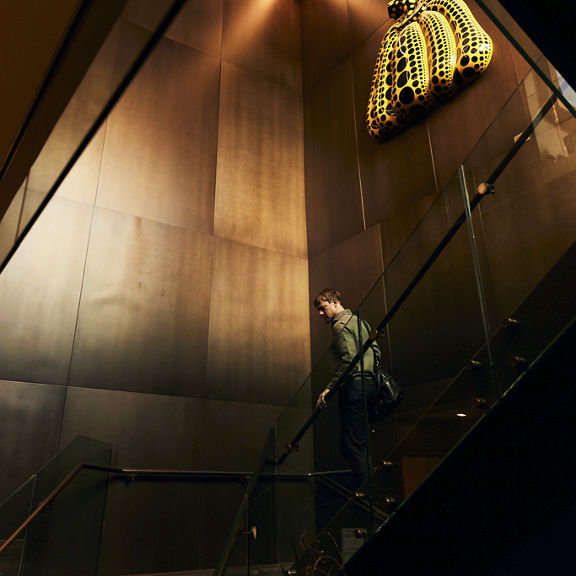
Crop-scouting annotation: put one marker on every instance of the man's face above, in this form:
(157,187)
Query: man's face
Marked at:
(328,310)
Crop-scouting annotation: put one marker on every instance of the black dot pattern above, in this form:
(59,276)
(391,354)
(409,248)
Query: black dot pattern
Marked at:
(475,47)
(399,8)
(411,77)
(433,48)
(380,117)
(442,53)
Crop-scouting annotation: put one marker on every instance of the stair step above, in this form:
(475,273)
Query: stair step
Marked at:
(266,570)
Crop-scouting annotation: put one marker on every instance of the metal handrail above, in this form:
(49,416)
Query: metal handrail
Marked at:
(40,508)
(130,474)
(133,474)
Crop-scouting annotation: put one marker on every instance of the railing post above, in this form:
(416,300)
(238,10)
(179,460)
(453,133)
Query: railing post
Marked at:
(478,273)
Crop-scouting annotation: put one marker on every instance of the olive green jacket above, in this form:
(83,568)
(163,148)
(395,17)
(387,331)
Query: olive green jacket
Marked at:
(345,346)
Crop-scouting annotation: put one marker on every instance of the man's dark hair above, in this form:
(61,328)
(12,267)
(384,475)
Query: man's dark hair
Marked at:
(328,295)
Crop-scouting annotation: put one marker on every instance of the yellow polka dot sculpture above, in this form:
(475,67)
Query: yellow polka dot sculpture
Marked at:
(433,48)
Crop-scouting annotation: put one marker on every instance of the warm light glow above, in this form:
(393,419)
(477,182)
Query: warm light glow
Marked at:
(249,23)
(461,415)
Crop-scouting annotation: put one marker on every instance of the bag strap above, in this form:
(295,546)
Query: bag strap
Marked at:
(373,345)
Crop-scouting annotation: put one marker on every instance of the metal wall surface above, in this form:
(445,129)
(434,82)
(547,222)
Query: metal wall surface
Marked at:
(165,289)
(30,427)
(258,325)
(251,25)
(143,318)
(334,203)
(198,26)
(39,296)
(159,159)
(260,175)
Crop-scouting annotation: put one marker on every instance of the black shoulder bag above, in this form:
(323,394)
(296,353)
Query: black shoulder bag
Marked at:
(390,394)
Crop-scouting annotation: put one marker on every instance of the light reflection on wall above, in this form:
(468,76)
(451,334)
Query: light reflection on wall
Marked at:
(248,22)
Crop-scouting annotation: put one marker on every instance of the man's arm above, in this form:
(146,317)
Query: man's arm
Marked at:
(344,350)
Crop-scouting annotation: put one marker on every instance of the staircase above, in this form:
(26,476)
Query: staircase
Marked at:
(503,502)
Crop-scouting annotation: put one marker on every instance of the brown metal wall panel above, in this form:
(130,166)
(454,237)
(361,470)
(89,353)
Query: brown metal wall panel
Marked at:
(333,195)
(168,526)
(366,17)
(264,38)
(259,340)
(153,526)
(160,154)
(225,421)
(82,181)
(397,228)
(197,25)
(351,267)
(260,183)
(39,294)
(77,119)
(325,39)
(143,318)
(147,430)
(30,419)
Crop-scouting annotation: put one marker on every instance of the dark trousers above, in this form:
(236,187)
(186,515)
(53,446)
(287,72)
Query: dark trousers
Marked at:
(354,397)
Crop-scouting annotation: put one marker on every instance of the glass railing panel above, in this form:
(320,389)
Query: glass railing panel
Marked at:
(267,541)
(433,433)
(439,327)
(293,485)
(153,522)
(530,52)
(75,144)
(65,538)
(444,362)
(9,224)
(297,514)
(258,542)
(433,339)
(13,512)
(527,226)
(300,457)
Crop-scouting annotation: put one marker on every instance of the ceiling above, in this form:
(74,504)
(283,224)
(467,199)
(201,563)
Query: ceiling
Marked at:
(42,40)
(31,32)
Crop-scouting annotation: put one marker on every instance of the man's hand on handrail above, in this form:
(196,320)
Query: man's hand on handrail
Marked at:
(321,402)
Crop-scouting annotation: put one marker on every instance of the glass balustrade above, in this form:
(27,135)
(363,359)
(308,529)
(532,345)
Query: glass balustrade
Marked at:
(65,537)
(462,322)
